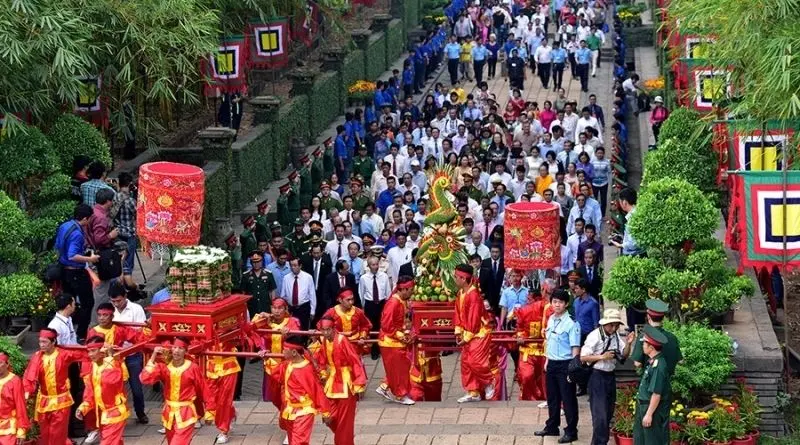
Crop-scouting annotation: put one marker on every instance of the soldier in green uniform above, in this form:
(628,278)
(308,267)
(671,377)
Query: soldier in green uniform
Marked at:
(327,202)
(360,198)
(284,216)
(247,239)
(259,283)
(656,310)
(363,165)
(469,187)
(651,426)
(262,225)
(295,240)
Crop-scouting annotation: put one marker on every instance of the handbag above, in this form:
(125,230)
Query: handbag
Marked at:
(110,263)
(579,372)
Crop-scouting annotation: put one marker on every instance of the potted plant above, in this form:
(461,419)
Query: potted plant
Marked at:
(723,425)
(749,413)
(624,410)
(360,92)
(695,430)
(677,420)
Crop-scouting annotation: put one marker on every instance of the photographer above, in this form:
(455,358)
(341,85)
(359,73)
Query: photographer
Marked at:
(123,213)
(627,202)
(603,349)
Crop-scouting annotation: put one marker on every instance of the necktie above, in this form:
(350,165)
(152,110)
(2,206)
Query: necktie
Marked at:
(495,268)
(341,281)
(375,296)
(316,272)
(486,230)
(589,273)
(347,218)
(394,165)
(295,292)
(339,253)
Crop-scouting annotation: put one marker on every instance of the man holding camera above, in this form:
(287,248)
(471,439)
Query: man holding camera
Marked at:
(603,349)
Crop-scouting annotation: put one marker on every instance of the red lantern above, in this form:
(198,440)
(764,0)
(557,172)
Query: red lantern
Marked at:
(532,235)
(170,206)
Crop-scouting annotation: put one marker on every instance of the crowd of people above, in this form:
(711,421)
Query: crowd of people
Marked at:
(346,265)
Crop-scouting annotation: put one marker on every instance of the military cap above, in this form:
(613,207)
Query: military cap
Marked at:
(656,307)
(653,336)
(299,222)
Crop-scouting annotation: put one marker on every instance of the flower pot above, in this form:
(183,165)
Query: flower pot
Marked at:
(623,440)
(677,442)
(746,440)
(754,435)
(711,442)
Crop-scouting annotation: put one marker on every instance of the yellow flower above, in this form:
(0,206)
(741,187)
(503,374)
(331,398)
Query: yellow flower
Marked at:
(684,306)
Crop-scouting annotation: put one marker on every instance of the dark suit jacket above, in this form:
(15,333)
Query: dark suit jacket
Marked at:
(326,267)
(406,269)
(491,284)
(596,285)
(331,288)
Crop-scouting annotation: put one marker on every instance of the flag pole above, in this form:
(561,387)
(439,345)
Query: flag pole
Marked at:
(785,185)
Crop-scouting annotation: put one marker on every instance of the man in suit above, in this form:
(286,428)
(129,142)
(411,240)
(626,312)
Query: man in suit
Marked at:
(318,266)
(410,268)
(491,277)
(591,272)
(335,281)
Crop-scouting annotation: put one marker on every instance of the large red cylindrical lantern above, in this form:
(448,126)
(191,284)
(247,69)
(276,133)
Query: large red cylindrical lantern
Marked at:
(532,235)
(170,206)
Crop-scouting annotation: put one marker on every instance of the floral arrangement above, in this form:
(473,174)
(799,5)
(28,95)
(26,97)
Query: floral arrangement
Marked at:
(199,274)
(749,408)
(625,409)
(45,306)
(656,83)
(361,90)
(630,15)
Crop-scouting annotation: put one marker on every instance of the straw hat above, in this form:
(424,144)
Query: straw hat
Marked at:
(610,316)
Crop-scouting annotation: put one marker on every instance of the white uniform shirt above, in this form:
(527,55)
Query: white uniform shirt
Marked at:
(596,342)
(365,286)
(66,331)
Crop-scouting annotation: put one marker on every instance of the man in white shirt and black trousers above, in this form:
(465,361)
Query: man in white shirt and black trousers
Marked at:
(603,349)
(374,289)
(298,290)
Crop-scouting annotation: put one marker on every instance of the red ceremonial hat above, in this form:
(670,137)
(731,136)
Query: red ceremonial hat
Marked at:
(3,357)
(325,323)
(463,274)
(328,142)
(248,220)
(263,204)
(48,334)
(181,343)
(96,342)
(406,285)
(279,303)
(304,159)
(357,180)
(345,293)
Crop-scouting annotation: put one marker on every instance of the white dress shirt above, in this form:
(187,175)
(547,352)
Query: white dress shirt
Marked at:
(305,289)
(596,342)
(573,242)
(398,164)
(333,251)
(397,256)
(480,249)
(133,312)
(412,188)
(389,210)
(376,221)
(569,123)
(365,286)
(543,54)
(582,124)
(434,147)
(66,331)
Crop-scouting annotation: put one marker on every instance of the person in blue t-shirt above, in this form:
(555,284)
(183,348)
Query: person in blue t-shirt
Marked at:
(453,52)
(583,57)
(559,57)
(340,151)
(493,46)
(408,79)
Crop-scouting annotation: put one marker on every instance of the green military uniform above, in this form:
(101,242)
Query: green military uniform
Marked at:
(293,201)
(328,202)
(260,285)
(671,351)
(475,193)
(364,166)
(248,239)
(295,239)
(655,380)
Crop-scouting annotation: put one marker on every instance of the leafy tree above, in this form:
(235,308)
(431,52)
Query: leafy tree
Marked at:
(74,137)
(677,159)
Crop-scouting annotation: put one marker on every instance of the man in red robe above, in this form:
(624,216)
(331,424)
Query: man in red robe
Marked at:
(183,385)
(530,371)
(48,370)
(278,320)
(104,393)
(349,320)
(345,379)
(14,422)
(426,377)
(474,337)
(393,341)
(302,396)
(221,375)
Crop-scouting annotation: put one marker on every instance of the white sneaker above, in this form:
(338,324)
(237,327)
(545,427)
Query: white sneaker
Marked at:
(162,430)
(222,438)
(543,405)
(286,440)
(198,425)
(466,398)
(489,391)
(385,393)
(405,401)
(92,437)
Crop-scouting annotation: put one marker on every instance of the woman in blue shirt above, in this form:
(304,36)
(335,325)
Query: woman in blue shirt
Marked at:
(585,164)
(601,177)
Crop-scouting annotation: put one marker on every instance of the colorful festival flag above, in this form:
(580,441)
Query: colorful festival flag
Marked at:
(269,43)
(89,103)
(708,85)
(305,25)
(757,146)
(225,69)
(765,218)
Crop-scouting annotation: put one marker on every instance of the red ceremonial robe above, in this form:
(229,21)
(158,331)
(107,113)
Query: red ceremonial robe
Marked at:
(104,394)
(344,379)
(302,397)
(476,372)
(273,343)
(183,386)
(221,374)
(14,422)
(426,377)
(530,371)
(354,324)
(394,352)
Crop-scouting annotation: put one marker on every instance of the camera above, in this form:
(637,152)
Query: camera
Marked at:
(619,357)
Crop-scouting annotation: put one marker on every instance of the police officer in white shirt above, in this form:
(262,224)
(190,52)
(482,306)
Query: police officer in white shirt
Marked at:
(544,62)
(128,311)
(62,321)
(604,348)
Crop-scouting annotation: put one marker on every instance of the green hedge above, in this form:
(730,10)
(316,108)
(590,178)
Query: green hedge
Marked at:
(253,166)
(215,205)
(352,70)
(292,122)
(411,16)
(395,43)
(376,56)
(325,101)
